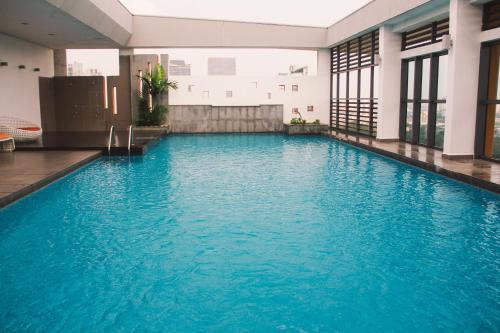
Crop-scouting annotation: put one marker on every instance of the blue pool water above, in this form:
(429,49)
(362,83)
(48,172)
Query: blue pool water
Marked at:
(251,233)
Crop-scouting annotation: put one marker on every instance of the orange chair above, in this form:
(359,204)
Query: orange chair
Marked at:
(7,142)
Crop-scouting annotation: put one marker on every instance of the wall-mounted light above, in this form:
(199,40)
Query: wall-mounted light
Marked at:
(446,42)
(36,69)
(105,87)
(140,83)
(377,60)
(115,106)
(4,63)
(21,67)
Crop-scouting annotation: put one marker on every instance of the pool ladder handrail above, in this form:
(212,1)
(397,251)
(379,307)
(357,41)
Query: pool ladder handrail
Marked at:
(111,138)
(130,137)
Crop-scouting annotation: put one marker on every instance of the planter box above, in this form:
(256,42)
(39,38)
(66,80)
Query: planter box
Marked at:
(305,129)
(151,131)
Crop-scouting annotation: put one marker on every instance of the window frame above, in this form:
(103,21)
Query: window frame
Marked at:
(416,101)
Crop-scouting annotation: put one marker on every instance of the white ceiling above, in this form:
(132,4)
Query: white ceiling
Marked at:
(315,13)
(39,22)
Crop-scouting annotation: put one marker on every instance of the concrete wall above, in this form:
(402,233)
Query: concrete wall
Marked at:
(312,90)
(139,62)
(370,17)
(151,31)
(78,103)
(108,17)
(19,88)
(225,119)
(463,78)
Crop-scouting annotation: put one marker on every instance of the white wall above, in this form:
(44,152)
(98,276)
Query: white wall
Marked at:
(312,90)
(463,74)
(19,93)
(371,16)
(389,84)
(181,32)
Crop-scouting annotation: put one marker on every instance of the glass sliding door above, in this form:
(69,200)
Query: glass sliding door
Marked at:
(423,100)
(488,124)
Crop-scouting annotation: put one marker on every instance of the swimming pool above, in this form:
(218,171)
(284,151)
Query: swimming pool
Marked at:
(251,233)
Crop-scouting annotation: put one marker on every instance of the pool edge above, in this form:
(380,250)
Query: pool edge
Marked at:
(31,188)
(483,184)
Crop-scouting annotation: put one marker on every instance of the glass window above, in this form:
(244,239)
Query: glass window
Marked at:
(411,78)
(496,134)
(424,116)
(342,85)
(409,121)
(426,72)
(334,86)
(440,116)
(442,77)
(365,83)
(353,84)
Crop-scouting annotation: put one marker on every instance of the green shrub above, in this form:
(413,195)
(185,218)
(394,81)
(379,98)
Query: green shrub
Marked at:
(155,117)
(297,121)
(316,122)
(155,84)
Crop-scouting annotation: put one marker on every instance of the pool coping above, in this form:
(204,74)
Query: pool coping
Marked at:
(33,187)
(470,180)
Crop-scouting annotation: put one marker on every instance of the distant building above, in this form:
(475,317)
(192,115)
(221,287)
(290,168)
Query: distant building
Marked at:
(179,67)
(77,69)
(221,66)
(299,70)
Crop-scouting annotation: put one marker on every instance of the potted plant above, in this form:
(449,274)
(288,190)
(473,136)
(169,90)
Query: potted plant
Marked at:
(298,125)
(155,85)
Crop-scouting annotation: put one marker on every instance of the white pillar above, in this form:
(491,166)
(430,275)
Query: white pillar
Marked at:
(322,89)
(389,84)
(462,78)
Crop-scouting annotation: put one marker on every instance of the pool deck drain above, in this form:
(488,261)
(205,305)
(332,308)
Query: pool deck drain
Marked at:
(24,172)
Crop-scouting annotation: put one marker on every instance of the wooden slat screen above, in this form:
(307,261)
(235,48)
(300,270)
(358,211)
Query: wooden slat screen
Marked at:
(426,35)
(491,15)
(355,114)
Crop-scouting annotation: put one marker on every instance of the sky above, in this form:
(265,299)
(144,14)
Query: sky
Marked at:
(318,13)
(249,62)
(105,60)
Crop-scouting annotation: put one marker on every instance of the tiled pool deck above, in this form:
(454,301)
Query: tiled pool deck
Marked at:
(481,173)
(23,172)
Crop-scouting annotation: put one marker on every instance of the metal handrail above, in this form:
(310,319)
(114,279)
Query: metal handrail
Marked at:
(111,138)
(130,137)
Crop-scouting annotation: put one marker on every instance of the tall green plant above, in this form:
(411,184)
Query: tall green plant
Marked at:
(154,84)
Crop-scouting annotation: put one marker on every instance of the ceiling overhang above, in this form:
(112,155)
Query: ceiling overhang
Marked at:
(63,24)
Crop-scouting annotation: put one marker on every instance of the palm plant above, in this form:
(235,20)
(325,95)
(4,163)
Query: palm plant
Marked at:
(154,85)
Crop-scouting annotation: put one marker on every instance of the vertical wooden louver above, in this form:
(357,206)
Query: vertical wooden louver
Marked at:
(353,104)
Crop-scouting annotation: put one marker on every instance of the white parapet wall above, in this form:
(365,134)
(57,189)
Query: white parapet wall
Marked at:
(291,91)
(19,88)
